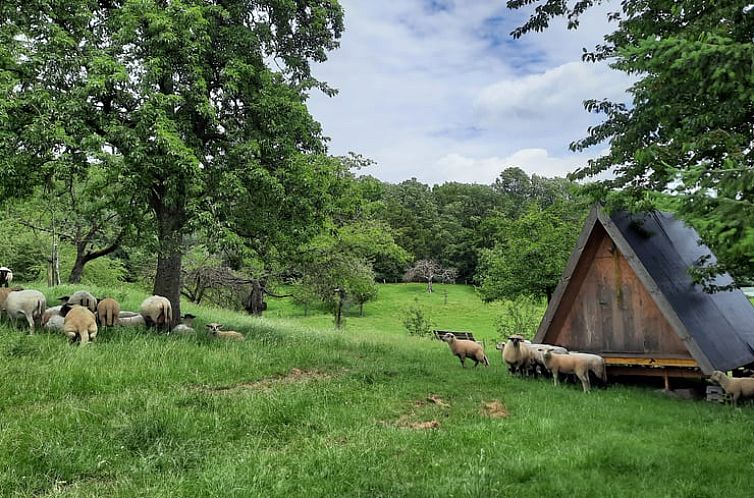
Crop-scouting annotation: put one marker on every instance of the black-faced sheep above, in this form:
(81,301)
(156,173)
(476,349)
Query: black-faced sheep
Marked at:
(80,322)
(108,312)
(6,276)
(579,364)
(466,349)
(187,327)
(742,387)
(157,311)
(30,304)
(81,298)
(216,330)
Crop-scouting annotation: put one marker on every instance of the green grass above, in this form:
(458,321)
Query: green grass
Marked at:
(143,415)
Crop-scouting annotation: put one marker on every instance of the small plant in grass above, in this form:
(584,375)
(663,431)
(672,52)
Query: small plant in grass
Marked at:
(520,316)
(417,321)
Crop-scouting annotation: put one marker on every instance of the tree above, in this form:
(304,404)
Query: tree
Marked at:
(177,98)
(530,254)
(426,270)
(688,129)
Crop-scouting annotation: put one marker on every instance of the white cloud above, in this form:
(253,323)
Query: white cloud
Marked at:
(421,87)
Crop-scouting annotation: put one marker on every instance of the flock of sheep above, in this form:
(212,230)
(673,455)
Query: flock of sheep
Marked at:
(524,358)
(80,315)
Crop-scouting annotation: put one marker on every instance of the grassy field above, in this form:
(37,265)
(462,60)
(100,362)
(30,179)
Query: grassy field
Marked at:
(301,410)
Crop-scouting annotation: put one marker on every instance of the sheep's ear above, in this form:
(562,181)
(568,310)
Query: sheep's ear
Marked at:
(64,299)
(65,309)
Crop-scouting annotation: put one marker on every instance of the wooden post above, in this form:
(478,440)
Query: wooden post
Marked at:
(667,379)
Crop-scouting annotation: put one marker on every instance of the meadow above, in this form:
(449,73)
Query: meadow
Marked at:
(300,409)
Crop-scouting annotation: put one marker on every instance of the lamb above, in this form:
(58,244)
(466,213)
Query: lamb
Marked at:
(736,387)
(576,363)
(108,312)
(130,319)
(157,310)
(49,314)
(187,327)
(6,276)
(79,321)
(466,349)
(216,330)
(30,304)
(518,355)
(82,298)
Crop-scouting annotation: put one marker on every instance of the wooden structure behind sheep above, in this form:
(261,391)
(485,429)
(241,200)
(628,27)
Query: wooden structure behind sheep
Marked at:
(626,294)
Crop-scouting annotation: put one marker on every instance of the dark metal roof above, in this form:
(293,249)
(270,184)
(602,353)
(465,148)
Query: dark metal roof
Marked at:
(722,323)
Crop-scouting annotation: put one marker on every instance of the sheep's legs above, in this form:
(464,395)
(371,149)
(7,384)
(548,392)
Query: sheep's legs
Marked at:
(30,320)
(555,377)
(84,337)
(585,382)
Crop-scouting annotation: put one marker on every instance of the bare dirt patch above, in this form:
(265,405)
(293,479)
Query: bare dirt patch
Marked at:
(405,422)
(494,409)
(295,376)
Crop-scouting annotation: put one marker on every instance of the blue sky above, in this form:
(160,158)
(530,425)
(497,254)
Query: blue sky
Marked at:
(438,90)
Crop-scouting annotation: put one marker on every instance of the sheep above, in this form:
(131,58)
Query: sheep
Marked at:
(575,363)
(82,298)
(466,349)
(79,321)
(130,319)
(538,351)
(4,291)
(6,276)
(187,327)
(49,314)
(54,322)
(108,312)
(736,387)
(157,310)
(517,355)
(30,304)
(231,335)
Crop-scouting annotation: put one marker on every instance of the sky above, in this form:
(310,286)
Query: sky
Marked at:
(439,90)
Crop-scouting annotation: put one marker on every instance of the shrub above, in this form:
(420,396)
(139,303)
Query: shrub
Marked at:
(520,316)
(417,320)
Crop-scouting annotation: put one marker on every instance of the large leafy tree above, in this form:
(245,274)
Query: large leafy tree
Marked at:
(175,98)
(688,131)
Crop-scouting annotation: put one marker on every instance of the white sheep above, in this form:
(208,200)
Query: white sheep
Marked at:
(538,352)
(6,276)
(216,330)
(187,327)
(517,355)
(157,310)
(4,291)
(50,313)
(54,322)
(82,298)
(742,387)
(108,312)
(29,304)
(579,364)
(466,349)
(79,321)
(130,319)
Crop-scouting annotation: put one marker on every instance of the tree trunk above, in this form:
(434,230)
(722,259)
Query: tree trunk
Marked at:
(167,281)
(361,309)
(429,286)
(255,303)
(78,268)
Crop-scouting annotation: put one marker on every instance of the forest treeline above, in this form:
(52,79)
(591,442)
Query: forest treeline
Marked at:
(511,237)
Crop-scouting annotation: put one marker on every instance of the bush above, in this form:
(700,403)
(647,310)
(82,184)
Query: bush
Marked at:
(417,320)
(520,316)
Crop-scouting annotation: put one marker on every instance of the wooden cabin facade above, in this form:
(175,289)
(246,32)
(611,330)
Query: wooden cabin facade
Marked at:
(626,295)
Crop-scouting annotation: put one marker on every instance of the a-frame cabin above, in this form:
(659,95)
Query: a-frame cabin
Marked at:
(627,295)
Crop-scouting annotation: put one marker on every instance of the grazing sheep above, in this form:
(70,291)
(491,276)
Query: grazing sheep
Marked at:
(54,322)
(742,387)
(517,355)
(216,330)
(6,276)
(187,327)
(82,298)
(79,321)
(108,312)
(4,291)
(49,313)
(130,319)
(157,310)
(466,349)
(30,304)
(579,364)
